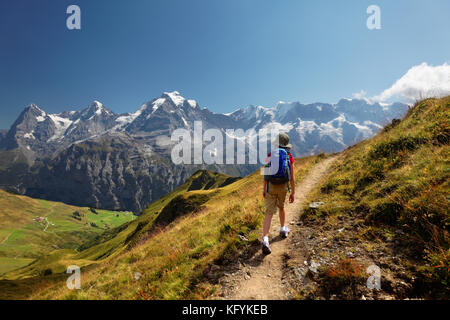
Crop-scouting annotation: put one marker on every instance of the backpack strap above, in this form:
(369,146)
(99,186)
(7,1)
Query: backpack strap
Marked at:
(290,173)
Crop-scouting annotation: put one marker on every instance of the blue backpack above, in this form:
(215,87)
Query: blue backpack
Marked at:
(283,174)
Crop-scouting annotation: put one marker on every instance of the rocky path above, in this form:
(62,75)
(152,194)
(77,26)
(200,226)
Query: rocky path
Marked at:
(262,276)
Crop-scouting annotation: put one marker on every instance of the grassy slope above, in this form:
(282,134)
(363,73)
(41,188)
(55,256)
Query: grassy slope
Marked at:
(104,245)
(171,258)
(23,240)
(397,183)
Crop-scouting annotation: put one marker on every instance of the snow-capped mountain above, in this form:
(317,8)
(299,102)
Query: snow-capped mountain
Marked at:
(321,126)
(312,127)
(122,161)
(40,135)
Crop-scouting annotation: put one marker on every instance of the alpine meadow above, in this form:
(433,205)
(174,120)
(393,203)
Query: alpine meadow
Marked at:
(224,159)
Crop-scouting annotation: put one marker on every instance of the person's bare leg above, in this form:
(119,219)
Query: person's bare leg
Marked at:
(266,225)
(282,217)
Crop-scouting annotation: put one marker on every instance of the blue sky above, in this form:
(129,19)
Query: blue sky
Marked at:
(223,53)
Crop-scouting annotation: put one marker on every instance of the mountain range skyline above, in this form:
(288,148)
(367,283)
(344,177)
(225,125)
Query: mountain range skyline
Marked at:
(117,161)
(94,103)
(418,82)
(252,116)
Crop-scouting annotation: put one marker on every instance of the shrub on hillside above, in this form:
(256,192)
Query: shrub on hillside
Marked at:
(390,148)
(343,278)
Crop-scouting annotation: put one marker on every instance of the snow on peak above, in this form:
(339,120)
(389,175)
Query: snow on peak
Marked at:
(148,108)
(97,104)
(97,108)
(192,103)
(282,108)
(250,112)
(38,113)
(32,106)
(158,102)
(61,125)
(41,118)
(124,120)
(178,99)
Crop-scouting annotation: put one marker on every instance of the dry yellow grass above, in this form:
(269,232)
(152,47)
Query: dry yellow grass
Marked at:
(170,261)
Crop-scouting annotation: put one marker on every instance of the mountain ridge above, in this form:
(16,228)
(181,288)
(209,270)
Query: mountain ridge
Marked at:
(79,145)
(372,115)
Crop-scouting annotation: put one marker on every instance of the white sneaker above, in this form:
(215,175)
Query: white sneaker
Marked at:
(284,231)
(266,247)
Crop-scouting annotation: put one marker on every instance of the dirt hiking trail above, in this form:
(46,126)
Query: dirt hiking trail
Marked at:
(264,280)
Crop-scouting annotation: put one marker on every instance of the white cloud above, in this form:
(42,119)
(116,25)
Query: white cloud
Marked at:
(421,81)
(360,95)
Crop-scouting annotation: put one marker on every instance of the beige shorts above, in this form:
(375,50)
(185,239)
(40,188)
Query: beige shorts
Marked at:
(276,197)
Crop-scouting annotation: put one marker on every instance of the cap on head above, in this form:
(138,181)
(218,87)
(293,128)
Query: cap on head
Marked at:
(283,141)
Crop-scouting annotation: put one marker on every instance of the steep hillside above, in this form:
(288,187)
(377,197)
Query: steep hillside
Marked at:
(156,256)
(385,203)
(115,172)
(104,244)
(31,228)
(13,169)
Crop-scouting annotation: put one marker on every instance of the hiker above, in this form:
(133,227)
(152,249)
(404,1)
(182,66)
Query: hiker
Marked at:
(276,186)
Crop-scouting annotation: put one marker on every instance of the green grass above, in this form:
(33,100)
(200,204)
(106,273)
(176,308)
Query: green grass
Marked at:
(22,239)
(9,264)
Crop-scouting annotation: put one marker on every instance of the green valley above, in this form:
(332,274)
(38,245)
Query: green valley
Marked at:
(31,228)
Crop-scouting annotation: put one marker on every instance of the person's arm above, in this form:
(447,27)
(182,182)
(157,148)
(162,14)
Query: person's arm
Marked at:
(291,196)
(264,188)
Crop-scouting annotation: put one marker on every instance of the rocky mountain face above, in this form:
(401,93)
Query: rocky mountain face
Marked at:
(115,170)
(2,134)
(97,158)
